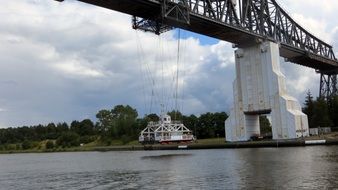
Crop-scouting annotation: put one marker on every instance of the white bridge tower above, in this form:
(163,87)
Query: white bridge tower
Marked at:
(259,88)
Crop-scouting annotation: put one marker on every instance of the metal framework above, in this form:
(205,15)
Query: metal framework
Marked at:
(165,131)
(268,19)
(148,25)
(176,10)
(241,22)
(328,86)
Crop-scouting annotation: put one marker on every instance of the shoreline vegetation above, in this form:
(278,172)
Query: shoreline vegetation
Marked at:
(213,143)
(118,129)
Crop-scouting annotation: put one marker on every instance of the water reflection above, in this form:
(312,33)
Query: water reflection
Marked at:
(165,156)
(269,168)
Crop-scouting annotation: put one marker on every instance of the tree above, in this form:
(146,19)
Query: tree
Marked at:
(50,145)
(152,117)
(309,109)
(121,120)
(68,139)
(190,122)
(265,125)
(105,122)
(205,126)
(51,131)
(26,145)
(219,119)
(333,110)
(83,128)
(61,127)
(175,115)
(124,120)
(321,116)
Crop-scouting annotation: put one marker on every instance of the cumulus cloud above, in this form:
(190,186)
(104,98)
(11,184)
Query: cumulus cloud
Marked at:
(65,61)
(316,17)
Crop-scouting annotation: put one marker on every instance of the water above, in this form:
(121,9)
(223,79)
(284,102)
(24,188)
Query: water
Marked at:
(265,168)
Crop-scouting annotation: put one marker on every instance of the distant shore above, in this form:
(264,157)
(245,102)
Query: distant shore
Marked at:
(216,143)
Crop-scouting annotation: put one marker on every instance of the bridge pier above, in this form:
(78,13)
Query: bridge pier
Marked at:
(259,88)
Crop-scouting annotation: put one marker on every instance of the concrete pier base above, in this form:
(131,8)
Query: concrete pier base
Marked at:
(259,88)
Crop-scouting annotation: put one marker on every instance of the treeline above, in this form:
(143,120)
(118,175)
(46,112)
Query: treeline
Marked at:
(54,135)
(321,112)
(122,124)
(118,124)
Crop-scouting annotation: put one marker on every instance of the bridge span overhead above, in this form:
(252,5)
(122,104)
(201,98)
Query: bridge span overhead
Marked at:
(241,22)
(263,32)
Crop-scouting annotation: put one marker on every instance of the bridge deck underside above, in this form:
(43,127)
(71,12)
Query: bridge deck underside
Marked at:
(202,25)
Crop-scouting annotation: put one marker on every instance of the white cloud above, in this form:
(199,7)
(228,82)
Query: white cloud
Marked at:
(75,68)
(65,61)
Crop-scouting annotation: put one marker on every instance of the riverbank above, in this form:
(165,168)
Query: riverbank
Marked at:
(217,143)
(225,145)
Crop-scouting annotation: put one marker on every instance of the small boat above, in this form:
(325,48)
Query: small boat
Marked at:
(165,131)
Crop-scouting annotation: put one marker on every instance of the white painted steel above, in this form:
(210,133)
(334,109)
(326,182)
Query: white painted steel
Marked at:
(315,142)
(166,130)
(260,88)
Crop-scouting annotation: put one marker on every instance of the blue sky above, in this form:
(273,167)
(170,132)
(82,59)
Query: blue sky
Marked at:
(204,40)
(65,61)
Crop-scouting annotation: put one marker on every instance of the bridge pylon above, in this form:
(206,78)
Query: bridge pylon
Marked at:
(259,88)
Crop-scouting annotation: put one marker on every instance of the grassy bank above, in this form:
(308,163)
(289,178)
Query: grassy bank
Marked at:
(117,145)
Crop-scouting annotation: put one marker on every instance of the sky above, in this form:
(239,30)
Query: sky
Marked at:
(66,61)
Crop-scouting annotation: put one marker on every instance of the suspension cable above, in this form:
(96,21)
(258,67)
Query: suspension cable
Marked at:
(177,71)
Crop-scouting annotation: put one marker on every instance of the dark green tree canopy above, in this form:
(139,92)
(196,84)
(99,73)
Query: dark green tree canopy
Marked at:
(321,112)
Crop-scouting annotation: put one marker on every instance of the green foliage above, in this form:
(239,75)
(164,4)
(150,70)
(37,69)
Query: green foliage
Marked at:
(175,115)
(125,139)
(68,139)
(211,125)
(191,122)
(265,125)
(83,128)
(26,145)
(87,139)
(50,145)
(309,108)
(333,110)
(321,113)
(119,121)
(18,146)
(321,117)
(152,117)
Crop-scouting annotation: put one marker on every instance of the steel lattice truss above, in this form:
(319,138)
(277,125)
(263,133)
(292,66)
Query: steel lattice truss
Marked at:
(264,19)
(328,86)
(267,18)
(237,21)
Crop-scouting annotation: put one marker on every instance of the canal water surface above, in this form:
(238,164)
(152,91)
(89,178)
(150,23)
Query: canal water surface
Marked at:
(262,168)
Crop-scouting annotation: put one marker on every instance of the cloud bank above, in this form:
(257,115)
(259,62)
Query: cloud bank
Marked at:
(65,61)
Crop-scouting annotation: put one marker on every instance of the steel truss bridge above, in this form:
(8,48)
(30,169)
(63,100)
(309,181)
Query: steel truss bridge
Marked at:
(241,22)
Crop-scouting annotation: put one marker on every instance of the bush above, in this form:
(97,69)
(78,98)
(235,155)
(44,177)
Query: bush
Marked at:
(87,139)
(68,139)
(18,147)
(10,147)
(26,145)
(50,145)
(125,139)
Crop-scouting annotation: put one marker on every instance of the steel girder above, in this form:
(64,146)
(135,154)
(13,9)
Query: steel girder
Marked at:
(328,86)
(237,21)
(264,18)
(148,25)
(268,19)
